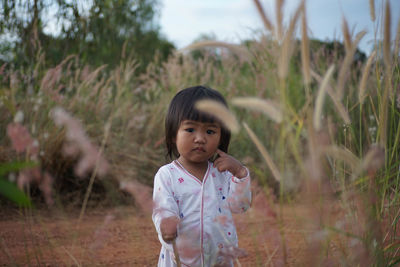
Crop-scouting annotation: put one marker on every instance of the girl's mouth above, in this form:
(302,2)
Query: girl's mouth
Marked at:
(200,149)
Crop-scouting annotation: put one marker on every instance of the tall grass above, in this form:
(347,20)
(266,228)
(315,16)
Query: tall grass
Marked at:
(320,129)
(345,152)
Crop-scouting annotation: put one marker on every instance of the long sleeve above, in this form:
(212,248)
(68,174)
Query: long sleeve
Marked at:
(164,203)
(239,198)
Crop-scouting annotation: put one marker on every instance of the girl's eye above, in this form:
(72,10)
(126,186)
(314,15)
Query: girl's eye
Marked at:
(210,132)
(190,130)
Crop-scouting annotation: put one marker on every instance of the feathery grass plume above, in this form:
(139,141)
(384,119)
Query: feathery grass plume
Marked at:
(316,141)
(266,21)
(90,77)
(39,177)
(241,52)
(345,68)
(140,192)
(266,106)
(386,37)
(263,201)
(374,159)
(372,9)
(371,162)
(286,50)
(21,139)
(90,157)
(231,253)
(52,77)
(342,154)
(305,48)
(321,97)
(49,82)
(264,153)
(218,110)
(346,34)
(101,235)
(279,19)
(338,105)
(364,77)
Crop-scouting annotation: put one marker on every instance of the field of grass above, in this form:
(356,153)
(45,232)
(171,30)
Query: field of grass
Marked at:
(316,126)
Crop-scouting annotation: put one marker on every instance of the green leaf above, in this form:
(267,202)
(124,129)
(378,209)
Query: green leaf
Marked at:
(13,193)
(10,190)
(15,166)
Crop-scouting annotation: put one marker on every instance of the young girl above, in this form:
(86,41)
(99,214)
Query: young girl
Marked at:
(194,197)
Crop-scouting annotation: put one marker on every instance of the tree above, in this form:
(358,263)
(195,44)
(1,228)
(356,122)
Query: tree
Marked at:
(96,31)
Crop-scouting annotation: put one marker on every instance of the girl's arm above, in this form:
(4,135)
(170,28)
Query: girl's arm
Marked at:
(239,198)
(164,208)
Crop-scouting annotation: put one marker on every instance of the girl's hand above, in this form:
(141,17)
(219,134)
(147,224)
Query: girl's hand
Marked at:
(168,227)
(226,162)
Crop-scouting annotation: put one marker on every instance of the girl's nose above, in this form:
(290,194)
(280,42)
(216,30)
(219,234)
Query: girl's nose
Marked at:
(199,138)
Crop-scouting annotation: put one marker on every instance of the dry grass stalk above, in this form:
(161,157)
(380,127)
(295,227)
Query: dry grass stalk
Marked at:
(53,75)
(312,163)
(221,112)
(90,77)
(279,19)
(372,9)
(286,51)
(386,36)
(73,258)
(372,161)
(338,105)
(388,90)
(365,75)
(266,106)
(346,34)
(397,42)
(236,49)
(305,49)
(342,154)
(265,19)
(176,253)
(348,60)
(320,98)
(383,117)
(264,153)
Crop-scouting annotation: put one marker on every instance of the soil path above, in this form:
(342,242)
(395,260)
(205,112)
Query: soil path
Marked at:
(125,237)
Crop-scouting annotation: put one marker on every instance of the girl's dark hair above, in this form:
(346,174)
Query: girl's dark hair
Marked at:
(182,108)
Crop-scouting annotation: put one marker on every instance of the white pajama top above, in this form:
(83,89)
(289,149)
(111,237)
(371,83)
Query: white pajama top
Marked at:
(206,228)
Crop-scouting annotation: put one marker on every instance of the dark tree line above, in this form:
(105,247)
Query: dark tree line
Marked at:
(98,31)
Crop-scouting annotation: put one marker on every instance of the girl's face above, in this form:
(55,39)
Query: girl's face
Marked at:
(196,141)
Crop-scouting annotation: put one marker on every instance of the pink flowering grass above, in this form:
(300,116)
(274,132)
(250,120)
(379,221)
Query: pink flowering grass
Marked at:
(21,139)
(23,142)
(142,194)
(79,145)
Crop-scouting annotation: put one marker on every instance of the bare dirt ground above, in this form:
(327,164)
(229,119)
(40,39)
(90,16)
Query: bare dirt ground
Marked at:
(124,236)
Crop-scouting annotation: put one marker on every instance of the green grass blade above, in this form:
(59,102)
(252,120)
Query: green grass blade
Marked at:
(15,166)
(13,193)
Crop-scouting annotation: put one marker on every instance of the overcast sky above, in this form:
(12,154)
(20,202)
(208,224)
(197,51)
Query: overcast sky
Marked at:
(183,21)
